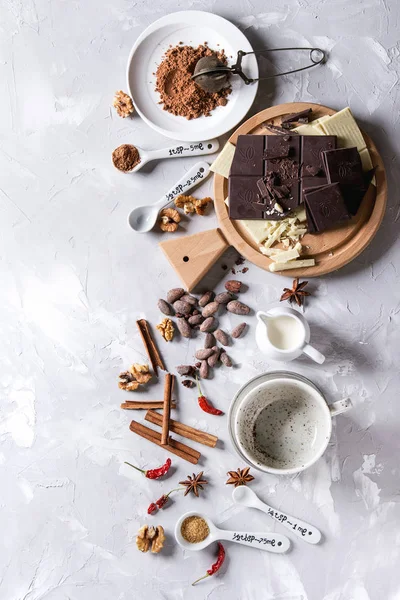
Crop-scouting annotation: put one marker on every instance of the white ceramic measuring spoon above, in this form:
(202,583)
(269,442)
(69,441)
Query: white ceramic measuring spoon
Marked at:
(246,497)
(143,218)
(271,542)
(179,151)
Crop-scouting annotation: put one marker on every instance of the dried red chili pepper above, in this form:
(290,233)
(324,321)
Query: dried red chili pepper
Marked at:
(205,405)
(152,508)
(161,502)
(216,566)
(154,473)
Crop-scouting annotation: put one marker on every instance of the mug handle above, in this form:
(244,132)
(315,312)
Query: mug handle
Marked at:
(314,354)
(341,406)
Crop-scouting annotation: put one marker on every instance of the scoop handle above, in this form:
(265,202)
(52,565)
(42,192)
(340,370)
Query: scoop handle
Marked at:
(185,149)
(270,542)
(193,177)
(305,531)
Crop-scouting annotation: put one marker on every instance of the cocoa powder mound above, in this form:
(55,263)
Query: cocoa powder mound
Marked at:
(126,157)
(180,95)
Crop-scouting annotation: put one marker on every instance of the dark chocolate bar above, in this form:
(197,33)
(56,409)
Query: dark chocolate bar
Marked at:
(248,157)
(326,206)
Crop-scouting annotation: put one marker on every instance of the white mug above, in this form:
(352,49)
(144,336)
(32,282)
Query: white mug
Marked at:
(280,422)
(283,334)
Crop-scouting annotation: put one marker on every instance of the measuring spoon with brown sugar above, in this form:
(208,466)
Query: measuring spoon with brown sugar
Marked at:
(181,150)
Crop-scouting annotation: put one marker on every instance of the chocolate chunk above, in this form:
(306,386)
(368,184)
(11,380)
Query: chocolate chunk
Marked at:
(313,171)
(343,165)
(303,114)
(248,157)
(277,129)
(326,206)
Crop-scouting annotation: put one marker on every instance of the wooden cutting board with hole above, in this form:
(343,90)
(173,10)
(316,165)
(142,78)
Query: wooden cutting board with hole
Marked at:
(192,256)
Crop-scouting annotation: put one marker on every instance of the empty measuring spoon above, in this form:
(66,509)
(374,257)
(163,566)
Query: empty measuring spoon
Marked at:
(179,151)
(246,497)
(143,218)
(271,542)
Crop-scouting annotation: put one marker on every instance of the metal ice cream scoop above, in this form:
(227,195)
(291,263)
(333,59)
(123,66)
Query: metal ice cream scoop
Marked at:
(212,75)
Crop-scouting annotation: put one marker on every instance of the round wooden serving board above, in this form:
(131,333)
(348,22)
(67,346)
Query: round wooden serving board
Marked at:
(332,249)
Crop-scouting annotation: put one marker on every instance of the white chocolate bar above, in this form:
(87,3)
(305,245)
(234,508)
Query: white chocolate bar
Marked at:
(222,164)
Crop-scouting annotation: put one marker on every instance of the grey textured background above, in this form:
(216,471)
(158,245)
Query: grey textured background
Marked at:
(74,279)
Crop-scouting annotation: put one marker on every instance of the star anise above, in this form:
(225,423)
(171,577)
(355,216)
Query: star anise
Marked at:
(194,484)
(296,294)
(239,477)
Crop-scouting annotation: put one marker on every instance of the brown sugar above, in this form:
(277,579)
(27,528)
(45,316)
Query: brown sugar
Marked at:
(126,157)
(194,529)
(179,94)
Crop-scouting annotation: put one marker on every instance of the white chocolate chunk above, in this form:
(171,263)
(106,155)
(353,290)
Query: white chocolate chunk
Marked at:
(275,235)
(285,255)
(222,164)
(344,125)
(293,264)
(366,160)
(259,230)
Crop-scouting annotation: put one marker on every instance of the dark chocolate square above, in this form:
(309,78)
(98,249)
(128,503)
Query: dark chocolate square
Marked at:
(245,201)
(326,206)
(343,165)
(312,147)
(248,157)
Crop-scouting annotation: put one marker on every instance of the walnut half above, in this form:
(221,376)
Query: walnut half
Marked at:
(166,328)
(136,376)
(123,104)
(153,537)
(169,219)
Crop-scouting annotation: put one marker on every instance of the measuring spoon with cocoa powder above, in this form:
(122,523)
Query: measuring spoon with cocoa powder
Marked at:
(143,218)
(181,150)
(267,540)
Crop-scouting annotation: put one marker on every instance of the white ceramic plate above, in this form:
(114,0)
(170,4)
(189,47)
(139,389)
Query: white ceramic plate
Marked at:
(192,27)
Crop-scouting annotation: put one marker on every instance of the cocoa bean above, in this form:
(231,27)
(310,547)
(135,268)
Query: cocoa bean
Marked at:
(214,358)
(188,383)
(225,359)
(206,298)
(184,328)
(174,295)
(222,337)
(224,297)
(233,286)
(238,330)
(209,325)
(209,342)
(182,307)
(210,309)
(195,319)
(196,312)
(237,308)
(165,308)
(204,370)
(187,370)
(189,299)
(204,353)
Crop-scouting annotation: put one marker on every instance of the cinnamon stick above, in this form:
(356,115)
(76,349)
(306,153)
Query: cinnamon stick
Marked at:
(173,446)
(145,405)
(184,430)
(150,345)
(168,383)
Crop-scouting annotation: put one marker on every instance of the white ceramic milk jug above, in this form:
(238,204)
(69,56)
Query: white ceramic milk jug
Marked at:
(283,334)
